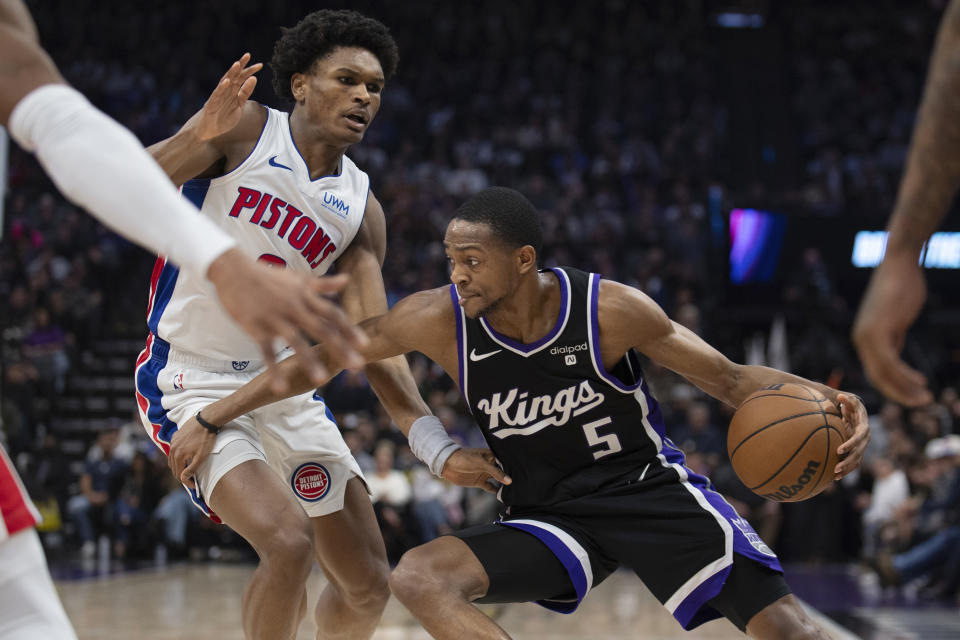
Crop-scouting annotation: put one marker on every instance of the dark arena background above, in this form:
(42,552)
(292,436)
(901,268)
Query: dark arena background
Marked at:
(735,160)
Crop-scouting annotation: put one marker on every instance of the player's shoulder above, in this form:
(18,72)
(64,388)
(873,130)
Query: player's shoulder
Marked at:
(625,307)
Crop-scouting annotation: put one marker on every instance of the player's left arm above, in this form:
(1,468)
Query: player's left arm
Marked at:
(364,296)
(631,319)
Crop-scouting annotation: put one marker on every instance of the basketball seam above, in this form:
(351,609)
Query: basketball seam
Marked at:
(790,459)
(819,411)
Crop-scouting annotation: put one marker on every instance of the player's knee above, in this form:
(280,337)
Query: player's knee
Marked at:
(784,621)
(287,550)
(368,588)
(413,576)
(426,570)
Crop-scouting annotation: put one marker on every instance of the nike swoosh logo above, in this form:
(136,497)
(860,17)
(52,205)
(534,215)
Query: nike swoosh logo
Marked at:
(477,357)
(274,163)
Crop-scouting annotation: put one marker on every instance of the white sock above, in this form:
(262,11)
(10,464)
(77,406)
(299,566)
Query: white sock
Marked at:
(101,166)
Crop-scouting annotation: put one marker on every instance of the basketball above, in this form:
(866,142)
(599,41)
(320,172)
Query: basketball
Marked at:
(783,442)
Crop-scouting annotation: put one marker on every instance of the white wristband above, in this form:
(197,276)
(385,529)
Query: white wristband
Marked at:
(429,442)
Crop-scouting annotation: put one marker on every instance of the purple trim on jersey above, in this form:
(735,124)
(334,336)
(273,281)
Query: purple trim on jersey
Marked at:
(595,334)
(147,387)
(334,175)
(566,557)
(458,315)
(533,346)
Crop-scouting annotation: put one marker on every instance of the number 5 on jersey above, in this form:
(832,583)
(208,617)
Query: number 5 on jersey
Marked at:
(594,439)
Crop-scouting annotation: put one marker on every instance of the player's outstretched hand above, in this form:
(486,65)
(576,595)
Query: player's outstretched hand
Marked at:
(893,301)
(857,424)
(270,303)
(222,110)
(474,468)
(189,446)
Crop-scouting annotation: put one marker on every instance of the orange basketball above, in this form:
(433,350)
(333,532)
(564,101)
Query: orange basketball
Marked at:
(783,442)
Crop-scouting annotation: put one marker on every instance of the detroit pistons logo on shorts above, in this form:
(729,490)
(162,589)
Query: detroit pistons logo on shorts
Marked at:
(310,481)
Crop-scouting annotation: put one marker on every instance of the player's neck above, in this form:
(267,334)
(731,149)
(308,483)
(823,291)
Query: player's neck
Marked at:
(322,157)
(531,312)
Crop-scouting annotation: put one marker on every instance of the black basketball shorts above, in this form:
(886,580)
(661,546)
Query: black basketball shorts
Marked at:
(677,534)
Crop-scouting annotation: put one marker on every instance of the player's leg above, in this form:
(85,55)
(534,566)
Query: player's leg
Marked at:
(259,506)
(29,606)
(440,581)
(437,582)
(351,552)
(758,601)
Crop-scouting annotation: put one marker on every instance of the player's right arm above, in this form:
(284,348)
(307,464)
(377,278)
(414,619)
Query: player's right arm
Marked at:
(897,289)
(225,128)
(421,322)
(631,319)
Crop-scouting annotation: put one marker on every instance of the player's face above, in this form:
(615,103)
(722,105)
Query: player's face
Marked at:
(341,93)
(481,267)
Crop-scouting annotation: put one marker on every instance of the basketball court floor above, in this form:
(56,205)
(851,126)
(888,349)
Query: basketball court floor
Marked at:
(202,602)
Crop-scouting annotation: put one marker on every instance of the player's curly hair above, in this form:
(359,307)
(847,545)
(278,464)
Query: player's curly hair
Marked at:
(318,34)
(508,213)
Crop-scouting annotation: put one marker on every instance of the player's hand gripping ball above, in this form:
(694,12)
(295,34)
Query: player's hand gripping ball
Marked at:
(783,442)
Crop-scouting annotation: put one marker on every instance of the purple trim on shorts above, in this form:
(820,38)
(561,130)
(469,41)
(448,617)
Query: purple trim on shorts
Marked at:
(566,557)
(692,612)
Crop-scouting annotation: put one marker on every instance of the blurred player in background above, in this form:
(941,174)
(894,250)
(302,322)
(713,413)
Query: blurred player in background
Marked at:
(281,185)
(548,363)
(898,287)
(100,166)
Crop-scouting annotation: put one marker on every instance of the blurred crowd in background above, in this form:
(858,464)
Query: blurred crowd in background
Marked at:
(633,127)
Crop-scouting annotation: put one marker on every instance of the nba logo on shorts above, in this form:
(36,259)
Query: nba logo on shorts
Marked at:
(310,481)
(178,381)
(570,359)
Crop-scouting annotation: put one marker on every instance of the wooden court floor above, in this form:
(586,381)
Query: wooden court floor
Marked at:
(202,602)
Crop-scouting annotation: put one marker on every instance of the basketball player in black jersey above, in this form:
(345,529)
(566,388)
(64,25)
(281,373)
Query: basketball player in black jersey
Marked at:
(548,363)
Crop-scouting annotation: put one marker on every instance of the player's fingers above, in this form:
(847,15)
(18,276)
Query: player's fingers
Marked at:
(309,360)
(323,310)
(186,476)
(494,469)
(329,284)
(246,89)
(895,378)
(339,337)
(249,71)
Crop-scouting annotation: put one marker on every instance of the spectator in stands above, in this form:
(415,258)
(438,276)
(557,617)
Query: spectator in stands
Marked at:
(99,485)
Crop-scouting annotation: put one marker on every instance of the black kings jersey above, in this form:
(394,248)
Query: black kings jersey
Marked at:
(561,424)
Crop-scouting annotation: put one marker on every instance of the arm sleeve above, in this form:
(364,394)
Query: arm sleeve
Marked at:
(102,167)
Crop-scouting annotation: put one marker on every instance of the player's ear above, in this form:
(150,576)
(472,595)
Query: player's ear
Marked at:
(526,258)
(298,87)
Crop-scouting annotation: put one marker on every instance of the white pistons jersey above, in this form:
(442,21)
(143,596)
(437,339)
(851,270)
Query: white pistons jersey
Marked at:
(278,215)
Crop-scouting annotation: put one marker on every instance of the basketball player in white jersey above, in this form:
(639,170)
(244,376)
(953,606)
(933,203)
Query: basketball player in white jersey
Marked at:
(97,164)
(282,186)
